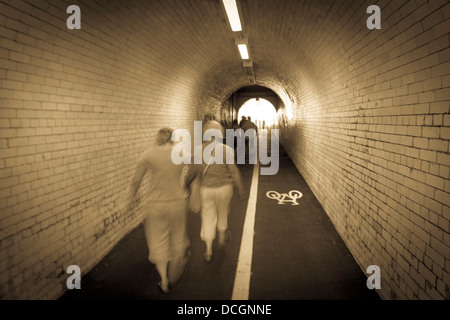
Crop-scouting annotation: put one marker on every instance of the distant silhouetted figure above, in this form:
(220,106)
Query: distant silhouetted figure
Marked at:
(248,124)
(243,120)
(234,126)
(165,210)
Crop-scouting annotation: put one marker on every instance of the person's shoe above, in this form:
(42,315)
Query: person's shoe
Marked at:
(163,289)
(208,257)
(224,238)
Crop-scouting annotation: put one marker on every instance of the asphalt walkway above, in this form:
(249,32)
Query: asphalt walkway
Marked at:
(297,254)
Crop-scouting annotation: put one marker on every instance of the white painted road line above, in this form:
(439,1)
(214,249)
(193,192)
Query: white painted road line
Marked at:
(244,267)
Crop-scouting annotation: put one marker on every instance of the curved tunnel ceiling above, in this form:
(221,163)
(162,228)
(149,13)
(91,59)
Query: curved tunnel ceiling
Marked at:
(193,41)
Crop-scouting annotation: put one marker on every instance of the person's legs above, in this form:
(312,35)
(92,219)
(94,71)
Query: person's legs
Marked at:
(179,240)
(208,252)
(223,200)
(178,267)
(156,227)
(209,220)
(162,270)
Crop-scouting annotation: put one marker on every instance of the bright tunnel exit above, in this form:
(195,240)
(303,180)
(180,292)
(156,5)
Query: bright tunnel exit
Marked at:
(261,111)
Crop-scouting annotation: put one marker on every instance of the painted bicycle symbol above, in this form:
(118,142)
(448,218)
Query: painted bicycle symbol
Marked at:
(292,196)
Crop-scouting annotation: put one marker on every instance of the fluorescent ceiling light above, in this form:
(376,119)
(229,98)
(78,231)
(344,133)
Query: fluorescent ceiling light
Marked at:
(242,44)
(243,51)
(233,14)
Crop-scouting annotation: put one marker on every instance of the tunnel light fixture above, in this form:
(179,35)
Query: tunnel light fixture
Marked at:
(242,44)
(233,14)
(243,51)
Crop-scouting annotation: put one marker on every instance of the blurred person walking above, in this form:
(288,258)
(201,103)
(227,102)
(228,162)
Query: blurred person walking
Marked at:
(217,181)
(165,206)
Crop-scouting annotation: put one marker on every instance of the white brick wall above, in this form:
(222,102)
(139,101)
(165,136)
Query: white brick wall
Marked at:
(78,107)
(374,145)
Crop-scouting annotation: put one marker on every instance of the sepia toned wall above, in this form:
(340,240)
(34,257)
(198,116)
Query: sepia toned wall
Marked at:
(78,107)
(368,123)
(371,135)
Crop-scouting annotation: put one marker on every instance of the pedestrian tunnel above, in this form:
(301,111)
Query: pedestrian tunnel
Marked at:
(362,97)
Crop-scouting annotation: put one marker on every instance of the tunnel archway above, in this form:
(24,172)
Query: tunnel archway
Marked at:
(256,92)
(261,111)
(235,101)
